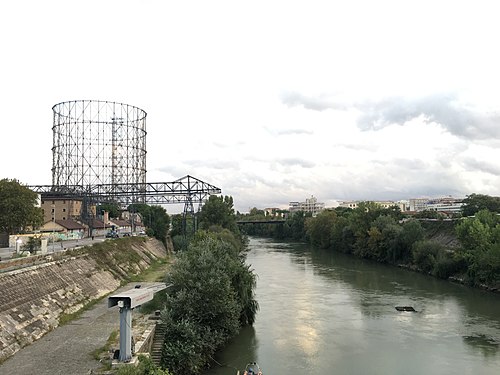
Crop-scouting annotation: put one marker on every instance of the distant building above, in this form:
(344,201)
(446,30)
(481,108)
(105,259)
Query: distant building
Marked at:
(60,208)
(382,204)
(448,205)
(64,229)
(310,205)
(349,204)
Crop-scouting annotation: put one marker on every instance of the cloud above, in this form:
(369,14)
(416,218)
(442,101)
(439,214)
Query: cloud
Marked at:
(296,162)
(319,103)
(446,109)
(481,166)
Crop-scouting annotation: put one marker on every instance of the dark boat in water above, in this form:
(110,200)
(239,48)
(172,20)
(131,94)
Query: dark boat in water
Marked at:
(405,308)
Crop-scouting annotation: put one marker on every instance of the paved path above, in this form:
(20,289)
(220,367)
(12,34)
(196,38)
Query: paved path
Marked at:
(67,350)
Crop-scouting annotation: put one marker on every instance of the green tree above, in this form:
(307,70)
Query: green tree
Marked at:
(477,202)
(32,245)
(425,255)
(295,226)
(18,207)
(213,295)
(474,234)
(319,229)
(411,233)
(155,218)
(218,211)
(112,208)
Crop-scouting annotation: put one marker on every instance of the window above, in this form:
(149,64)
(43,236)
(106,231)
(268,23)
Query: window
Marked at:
(64,210)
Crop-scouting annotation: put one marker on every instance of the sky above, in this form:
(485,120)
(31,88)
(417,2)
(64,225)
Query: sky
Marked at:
(271,101)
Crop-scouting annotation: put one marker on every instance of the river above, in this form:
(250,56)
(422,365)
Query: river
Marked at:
(328,313)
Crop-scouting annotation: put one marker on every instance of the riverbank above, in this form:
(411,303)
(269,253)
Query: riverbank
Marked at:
(36,297)
(80,347)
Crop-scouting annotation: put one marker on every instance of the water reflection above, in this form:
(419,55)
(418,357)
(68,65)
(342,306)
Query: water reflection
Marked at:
(324,312)
(484,344)
(240,351)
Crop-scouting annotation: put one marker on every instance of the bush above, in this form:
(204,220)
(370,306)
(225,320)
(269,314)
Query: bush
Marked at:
(213,295)
(448,265)
(145,367)
(425,254)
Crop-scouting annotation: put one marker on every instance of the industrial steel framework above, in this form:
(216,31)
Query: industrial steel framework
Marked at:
(187,190)
(99,143)
(99,155)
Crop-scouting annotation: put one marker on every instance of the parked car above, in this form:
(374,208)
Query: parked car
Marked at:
(111,234)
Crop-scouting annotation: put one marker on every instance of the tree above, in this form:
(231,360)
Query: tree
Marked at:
(319,229)
(155,218)
(477,202)
(295,227)
(18,207)
(212,296)
(474,234)
(218,211)
(412,232)
(32,245)
(112,208)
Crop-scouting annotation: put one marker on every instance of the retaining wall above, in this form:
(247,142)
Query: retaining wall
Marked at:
(33,298)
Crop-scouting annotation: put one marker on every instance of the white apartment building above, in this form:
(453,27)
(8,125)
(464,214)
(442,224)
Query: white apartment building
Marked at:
(310,205)
(445,204)
(403,205)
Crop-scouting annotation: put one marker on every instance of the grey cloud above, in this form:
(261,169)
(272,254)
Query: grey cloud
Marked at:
(481,166)
(444,109)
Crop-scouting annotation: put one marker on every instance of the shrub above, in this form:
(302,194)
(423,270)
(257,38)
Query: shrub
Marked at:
(425,255)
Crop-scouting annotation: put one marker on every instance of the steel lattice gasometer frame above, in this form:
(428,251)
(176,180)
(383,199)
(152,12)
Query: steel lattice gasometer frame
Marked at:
(99,143)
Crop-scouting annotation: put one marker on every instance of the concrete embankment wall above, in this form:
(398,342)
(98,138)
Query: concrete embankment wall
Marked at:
(33,298)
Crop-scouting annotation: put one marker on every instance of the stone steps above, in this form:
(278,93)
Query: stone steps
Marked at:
(157,346)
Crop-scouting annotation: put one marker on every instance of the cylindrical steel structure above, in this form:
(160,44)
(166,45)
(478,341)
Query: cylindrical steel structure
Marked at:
(98,142)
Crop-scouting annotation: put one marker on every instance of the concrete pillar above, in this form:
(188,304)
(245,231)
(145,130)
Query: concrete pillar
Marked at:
(43,245)
(125,334)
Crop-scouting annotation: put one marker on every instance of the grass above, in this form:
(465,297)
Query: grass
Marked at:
(155,272)
(112,339)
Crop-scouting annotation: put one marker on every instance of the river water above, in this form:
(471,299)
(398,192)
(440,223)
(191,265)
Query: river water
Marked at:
(328,313)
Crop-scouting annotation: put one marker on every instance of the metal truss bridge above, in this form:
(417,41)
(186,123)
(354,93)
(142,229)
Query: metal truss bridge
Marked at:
(187,190)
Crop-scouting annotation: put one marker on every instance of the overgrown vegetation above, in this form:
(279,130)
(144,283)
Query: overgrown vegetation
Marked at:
(213,289)
(97,353)
(212,297)
(155,218)
(145,367)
